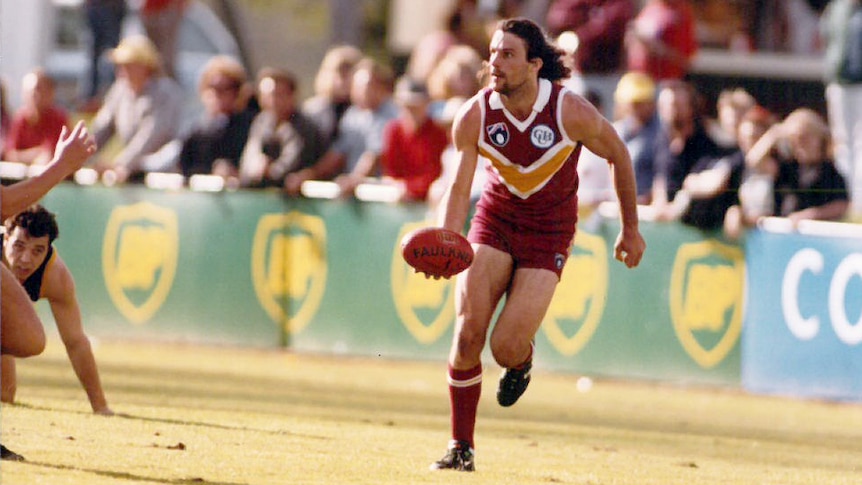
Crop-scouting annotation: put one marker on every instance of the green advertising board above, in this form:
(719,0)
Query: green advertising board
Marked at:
(677,316)
(255,268)
(166,265)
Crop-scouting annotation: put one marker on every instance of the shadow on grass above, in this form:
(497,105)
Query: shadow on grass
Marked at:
(129,476)
(177,422)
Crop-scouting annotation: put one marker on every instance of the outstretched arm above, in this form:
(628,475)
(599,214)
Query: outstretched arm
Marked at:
(73,149)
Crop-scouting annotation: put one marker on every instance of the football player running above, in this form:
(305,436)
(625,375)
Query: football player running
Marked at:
(531,129)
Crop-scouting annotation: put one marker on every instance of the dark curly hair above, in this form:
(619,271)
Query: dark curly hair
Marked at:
(36,220)
(538,45)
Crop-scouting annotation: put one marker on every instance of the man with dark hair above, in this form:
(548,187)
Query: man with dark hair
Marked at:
(22,333)
(531,129)
(29,253)
(281,139)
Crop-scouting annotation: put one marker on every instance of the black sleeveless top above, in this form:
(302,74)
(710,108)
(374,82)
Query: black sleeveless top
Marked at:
(33,284)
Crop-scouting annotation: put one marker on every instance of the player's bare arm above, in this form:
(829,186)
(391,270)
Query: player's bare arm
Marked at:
(583,122)
(73,149)
(465,136)
(59,289)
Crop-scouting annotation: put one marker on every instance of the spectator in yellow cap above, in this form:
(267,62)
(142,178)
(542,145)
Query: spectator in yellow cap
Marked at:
(143,108)
(638,126)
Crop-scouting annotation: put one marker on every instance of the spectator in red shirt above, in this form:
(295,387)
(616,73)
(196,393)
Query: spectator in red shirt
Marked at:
(413,143)
(661,41)
(36,127)
(412,147)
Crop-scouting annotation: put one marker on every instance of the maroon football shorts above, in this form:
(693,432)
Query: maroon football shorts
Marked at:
(529,248)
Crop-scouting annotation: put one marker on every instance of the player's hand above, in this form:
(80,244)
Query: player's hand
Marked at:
(428,276)
(74,148)
(629,248)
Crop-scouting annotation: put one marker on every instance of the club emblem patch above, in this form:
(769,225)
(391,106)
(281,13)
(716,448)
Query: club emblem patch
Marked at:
(542,136)
(499,134)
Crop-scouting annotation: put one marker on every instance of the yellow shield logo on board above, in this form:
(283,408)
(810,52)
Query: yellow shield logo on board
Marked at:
(426,307)
(706,299)
(139,258)
(288,267)
(579,301)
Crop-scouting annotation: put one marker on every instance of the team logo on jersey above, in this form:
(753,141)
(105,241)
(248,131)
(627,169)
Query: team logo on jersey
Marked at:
(425,306)
(542,136)
(499,134)
(139,258)
(706,294)
(579,301)
(288,267)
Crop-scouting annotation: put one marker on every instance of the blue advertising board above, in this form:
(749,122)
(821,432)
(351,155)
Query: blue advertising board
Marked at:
(803,320)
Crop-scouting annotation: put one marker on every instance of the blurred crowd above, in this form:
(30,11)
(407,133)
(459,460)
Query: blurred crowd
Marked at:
(713,164)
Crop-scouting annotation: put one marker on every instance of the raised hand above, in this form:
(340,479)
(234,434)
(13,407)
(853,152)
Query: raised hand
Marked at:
(74,148)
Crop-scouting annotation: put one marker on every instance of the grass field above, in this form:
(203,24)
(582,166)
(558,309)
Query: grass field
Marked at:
(226,416)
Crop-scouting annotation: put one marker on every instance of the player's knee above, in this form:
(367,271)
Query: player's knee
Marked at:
(28,339)
(470,342)
(34,345)
(507,353)
(505,358)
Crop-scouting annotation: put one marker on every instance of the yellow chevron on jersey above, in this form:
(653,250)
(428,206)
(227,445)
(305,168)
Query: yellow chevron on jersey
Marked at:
(506,139)
(525,181)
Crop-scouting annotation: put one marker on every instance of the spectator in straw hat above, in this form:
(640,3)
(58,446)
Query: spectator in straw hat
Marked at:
(638,126)
(143,108)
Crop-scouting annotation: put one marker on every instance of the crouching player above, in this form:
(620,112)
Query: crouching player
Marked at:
(29,253)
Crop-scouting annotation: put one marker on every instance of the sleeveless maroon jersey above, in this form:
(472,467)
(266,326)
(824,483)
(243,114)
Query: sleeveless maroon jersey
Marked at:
(533,178)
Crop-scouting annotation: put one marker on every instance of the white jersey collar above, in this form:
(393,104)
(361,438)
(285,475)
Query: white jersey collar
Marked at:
(496,101)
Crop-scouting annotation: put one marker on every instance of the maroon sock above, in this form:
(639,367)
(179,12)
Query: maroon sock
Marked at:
(465,388)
